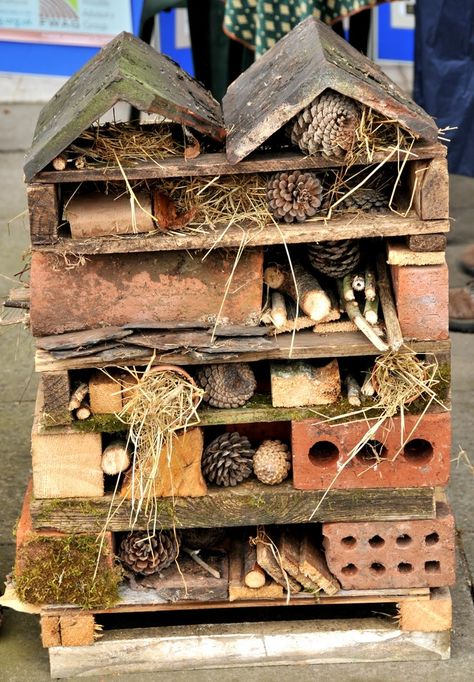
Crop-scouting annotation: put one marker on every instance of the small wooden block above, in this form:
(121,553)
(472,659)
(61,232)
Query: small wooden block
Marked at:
(398,254)
(178,473)
(431,197)
(266,559)
(295,384)
(43,208)
(332,327)
(66,464)
(99,215)
(238,590)
(434,615)
(50,631)
(105,393)
(77,630)
(313,565)
(427,242)
(56,388)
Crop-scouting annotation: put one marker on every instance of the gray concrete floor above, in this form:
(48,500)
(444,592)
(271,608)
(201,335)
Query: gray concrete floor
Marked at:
(22,657)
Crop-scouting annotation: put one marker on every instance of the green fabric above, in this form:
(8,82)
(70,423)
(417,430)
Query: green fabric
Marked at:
(261,23)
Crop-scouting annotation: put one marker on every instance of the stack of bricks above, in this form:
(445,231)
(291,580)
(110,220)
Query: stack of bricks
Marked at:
(100,300)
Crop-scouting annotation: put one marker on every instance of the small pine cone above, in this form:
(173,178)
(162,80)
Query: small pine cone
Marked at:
(202,538)
(146,554)
(366,199)
(228,385)
(228,459)
(272,462)
(335,258)
(294,196)
(326,125)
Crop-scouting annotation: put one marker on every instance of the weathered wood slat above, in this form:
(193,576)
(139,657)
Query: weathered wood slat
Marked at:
(361,226)
(306,345)
(43,209)
(217,164)
(193,647)
(248,504)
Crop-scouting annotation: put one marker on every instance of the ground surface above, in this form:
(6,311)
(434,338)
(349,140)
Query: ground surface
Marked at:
(22,657)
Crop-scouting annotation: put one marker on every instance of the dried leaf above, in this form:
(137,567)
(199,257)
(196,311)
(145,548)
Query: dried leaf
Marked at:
(192,148)
(165,212)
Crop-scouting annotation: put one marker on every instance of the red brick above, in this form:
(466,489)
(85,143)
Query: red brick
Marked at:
(320,451)
(115,289)
(421,296)
(392,554)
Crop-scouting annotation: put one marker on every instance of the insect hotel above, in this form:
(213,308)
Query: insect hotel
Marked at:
(241,329)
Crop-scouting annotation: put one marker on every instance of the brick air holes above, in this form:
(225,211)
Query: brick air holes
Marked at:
(376,541)
(404,567)
(372,451)
(432,567)
(348,542)
(404,540)
(431,539)
(323,453)
(377,568)
(418,451)
(350,569)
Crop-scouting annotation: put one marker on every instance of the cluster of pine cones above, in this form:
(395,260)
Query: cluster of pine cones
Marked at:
(230,459)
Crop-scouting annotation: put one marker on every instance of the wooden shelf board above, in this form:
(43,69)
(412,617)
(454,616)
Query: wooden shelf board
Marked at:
(217,164)
(248,504)
(339,227)
(307,345)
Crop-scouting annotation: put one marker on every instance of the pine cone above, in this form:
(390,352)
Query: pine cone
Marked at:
(228,459)
(202,538)
(228,385)
(146,554)
(294,196)
(335,258)
(272,462)
(366,199)
(326,125)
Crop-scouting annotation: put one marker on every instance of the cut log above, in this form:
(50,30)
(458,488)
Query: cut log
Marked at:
(254,574)
(116,458)
(278,313)
(238,590)
(177,473)
(392,325)
(313,300)
(60,162)
(353,391)
(99,215)
(299,383)
(83,412)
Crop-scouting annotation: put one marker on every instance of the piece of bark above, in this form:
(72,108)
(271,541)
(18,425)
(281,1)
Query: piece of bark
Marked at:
(166,214)
(116,458)
(313,300)
(166,325)
(300,383)
(270,565)
(178,473)
(73,340)
(427,242)
(237,330)
(170,340)
(254,574)
(78,396)
(84,352)
(289,548)
(56,390)
(105,393)
(99,215)
(392,325)
(313,565)
(43,208)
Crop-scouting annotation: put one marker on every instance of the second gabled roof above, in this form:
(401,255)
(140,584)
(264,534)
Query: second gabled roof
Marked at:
(307,61)
(127,70)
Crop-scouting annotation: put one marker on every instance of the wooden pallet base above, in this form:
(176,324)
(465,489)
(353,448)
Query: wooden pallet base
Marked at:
(294,642)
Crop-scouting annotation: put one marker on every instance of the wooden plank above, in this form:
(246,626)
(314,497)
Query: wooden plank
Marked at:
(217,164)
(434,194)
(194,647)
(306,345)
(250,504)
(89,337)
(337,228)
(43,208)
(399,254)
(435,615)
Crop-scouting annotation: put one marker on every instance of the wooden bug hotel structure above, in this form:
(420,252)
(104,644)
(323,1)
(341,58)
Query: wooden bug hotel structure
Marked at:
(240,319)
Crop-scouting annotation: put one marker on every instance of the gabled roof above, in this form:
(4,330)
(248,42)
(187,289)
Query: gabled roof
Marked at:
(307,61)
(127,70)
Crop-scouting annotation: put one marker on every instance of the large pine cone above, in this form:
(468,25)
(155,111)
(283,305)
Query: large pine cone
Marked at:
(326,125)
(228,459)
(145,554)
(228,385)
(294,196)
(202,538)
(365,199)
(335,258)
(272,462)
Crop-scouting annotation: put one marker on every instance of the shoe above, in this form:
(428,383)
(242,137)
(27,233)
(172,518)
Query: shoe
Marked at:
(461,308)
(467,260)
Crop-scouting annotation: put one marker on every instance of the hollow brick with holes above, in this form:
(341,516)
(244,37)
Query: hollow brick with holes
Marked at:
(321,450)
(392,554)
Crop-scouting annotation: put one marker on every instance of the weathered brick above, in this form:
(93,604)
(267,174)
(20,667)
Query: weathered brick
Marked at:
(116,289)
(321,453)
(421,296)
(392,554)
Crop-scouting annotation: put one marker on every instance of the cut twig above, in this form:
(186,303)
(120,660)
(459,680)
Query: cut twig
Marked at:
(347,290)
(78,396)
(194,554)
(368,389)
(60,162)
(313,300)
(353,311)
(353,391)
(83,412)
(358,282)
(278,314)
(370,288)
(392,325)
(371,309)
(255,576)
(116,458)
